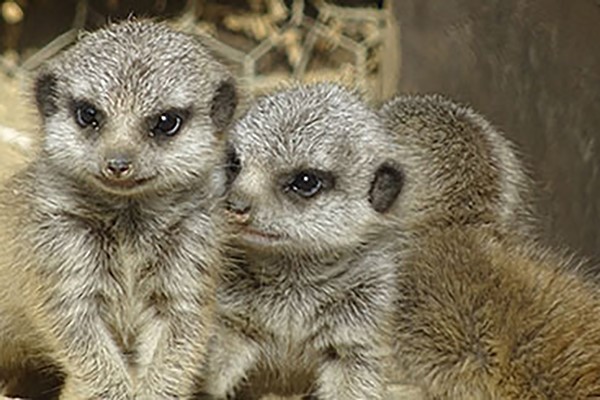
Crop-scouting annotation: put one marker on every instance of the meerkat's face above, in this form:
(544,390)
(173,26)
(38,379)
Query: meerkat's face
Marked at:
(310,172)
(135,107)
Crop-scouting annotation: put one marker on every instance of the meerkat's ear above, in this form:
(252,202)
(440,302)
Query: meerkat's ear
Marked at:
(224,103)
(386,186)
(46,93)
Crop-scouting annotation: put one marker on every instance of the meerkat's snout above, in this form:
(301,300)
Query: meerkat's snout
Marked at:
(238,208)
(243,187)
(237,204)
(119,167)
(119,171)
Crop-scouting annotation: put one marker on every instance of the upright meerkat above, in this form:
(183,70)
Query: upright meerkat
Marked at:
(483,312)
(305,308)
(112,237)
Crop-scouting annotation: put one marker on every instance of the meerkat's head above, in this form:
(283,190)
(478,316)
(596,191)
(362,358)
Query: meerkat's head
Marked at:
(459,169)
(134,108)
(312,171)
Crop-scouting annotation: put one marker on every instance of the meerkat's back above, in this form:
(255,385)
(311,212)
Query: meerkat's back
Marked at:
(486,318)
(483,311)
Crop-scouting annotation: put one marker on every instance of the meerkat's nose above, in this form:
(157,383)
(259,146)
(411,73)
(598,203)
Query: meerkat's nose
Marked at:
(238,208)
(117,168)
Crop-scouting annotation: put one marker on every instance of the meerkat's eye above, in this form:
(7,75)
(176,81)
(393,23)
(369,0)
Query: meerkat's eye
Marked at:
(87,115)
(308,183)
(167,124)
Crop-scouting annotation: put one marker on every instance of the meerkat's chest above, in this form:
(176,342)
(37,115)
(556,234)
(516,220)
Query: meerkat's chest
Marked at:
(285,307)
(126,290)
(282,318)
(284,310)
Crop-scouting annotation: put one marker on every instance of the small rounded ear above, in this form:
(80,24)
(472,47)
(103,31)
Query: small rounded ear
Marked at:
(224,103)
(386,186)
(46,93)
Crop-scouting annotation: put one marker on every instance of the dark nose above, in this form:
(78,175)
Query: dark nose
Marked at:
(238,208)
(117,168)
(238,205)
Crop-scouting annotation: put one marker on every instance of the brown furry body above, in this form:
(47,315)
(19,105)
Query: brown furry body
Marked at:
(306,307)
(483,312)
(481,317)
(113,236)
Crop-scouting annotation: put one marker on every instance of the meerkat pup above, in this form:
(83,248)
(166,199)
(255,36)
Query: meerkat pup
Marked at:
(482,312)
(305,308)
(471,172)
(112,237)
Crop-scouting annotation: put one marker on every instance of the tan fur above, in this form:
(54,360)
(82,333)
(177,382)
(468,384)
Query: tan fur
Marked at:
(460,169)
(109,278)
(483,312)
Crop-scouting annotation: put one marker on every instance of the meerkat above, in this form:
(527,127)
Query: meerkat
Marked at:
(304,308)
(113,236)
(483,312)
(472,172)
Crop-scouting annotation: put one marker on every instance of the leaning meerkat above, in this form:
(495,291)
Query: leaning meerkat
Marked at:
(483,312)
(113,236)
(470,172)
(304,310)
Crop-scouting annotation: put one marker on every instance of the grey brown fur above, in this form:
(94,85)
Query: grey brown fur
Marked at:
(306,307)
(113,236)
(483,311)
(461,170)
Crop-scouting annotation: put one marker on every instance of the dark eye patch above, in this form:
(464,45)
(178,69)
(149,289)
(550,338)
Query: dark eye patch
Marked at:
(308,183)
(86,114)
(168,123)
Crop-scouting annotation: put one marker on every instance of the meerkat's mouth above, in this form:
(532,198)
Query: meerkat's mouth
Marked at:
(248,233)
(255,236)
(123,184)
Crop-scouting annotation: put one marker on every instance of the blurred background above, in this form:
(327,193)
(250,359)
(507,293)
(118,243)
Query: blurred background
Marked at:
(532,67)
